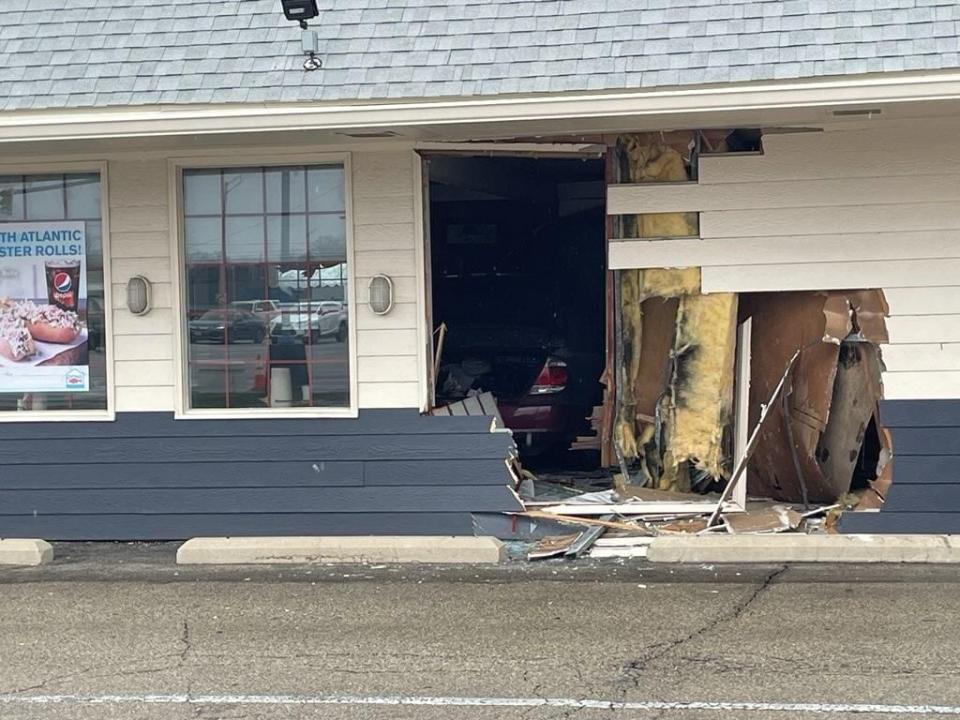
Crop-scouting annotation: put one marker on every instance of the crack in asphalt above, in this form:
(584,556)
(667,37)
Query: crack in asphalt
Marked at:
(633,669)
(185,640)
(51,680)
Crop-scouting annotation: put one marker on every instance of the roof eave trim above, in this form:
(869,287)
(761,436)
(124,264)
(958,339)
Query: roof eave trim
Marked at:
(140,121)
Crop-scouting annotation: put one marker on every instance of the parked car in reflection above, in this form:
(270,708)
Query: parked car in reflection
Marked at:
(230,326)
(267,310)
(312,321)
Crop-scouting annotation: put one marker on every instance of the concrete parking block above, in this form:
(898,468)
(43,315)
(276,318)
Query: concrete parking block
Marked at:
(369,549)
(790,548)
(17,551)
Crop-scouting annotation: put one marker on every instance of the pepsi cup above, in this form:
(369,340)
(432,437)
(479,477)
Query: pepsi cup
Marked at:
(63,283)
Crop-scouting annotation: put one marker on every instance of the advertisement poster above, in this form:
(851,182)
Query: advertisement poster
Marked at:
(43,304)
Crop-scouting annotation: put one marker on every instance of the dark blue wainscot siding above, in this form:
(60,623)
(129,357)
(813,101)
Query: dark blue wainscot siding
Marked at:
(925,495)
(147,476)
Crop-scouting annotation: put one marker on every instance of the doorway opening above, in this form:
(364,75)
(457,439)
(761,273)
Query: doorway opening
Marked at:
(517,267)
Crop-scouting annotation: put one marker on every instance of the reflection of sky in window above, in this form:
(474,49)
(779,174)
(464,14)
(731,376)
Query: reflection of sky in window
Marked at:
(325,189)
(50,197)
(243,191)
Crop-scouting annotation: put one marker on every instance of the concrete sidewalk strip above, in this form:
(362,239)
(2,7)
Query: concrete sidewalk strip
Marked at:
(15,551)
(797,548)
(383,549)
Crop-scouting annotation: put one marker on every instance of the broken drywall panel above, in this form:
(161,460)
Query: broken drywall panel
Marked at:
(809,449)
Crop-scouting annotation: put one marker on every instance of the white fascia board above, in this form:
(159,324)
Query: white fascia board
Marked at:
(207,119)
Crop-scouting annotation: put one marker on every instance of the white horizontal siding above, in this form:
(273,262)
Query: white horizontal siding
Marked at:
(784,249)
(142,347)
(144,398)
(829,192)
(155,269)
(143,373)
(385,236)
(389,394)
(902,149)
(935,300)
(386,368)
(814,275)
(811,219)
(402,263)
(158,321)
(909,385)
(140,245)
(403,315)
(385,241)
(387,343)
(922,357)
(929,329)
(876,206)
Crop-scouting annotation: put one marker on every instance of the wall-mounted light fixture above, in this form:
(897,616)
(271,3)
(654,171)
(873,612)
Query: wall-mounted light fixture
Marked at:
(381,294)
(297,10)
(139,295)
(300,11)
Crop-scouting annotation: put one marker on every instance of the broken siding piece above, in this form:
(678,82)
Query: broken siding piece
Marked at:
(808,452)
(649,509)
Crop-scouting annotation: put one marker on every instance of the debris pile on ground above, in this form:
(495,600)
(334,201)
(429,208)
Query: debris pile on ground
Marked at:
(621,523)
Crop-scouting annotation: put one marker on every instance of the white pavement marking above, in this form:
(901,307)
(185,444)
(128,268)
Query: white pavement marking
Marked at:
(424,701)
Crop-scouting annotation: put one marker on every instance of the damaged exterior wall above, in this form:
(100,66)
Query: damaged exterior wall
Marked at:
(864,205)
(870,205)
(677,348)
(811,443)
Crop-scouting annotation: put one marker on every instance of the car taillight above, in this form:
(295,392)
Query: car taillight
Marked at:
(552,378)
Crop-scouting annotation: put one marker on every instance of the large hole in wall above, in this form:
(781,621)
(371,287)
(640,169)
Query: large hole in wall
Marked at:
(813,359)
(517,265)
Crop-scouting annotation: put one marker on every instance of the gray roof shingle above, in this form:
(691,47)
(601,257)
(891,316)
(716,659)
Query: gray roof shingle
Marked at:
(97,53)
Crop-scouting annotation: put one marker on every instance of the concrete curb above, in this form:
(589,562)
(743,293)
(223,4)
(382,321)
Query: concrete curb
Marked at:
(790,548)
(381,549)
(25,552)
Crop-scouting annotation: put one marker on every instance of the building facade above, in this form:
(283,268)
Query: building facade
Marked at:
(264,392)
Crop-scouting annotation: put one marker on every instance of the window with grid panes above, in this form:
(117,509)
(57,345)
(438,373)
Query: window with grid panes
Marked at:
(266,280)
(74,197)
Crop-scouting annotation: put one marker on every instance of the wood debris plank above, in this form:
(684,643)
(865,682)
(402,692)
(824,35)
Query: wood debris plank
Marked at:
(630,508)
(579,520)
(623,551)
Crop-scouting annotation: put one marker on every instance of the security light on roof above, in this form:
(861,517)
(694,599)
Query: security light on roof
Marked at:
(300,10)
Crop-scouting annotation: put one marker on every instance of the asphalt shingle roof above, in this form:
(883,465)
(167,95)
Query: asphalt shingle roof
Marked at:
(95,53)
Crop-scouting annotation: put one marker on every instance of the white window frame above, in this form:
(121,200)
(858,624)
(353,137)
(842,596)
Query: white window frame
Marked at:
(70,168)
(226,161)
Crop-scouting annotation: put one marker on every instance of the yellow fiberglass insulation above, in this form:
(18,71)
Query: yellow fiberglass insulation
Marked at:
(669,282)
(631,333)
(650,160)
(700,401)
(636,286)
